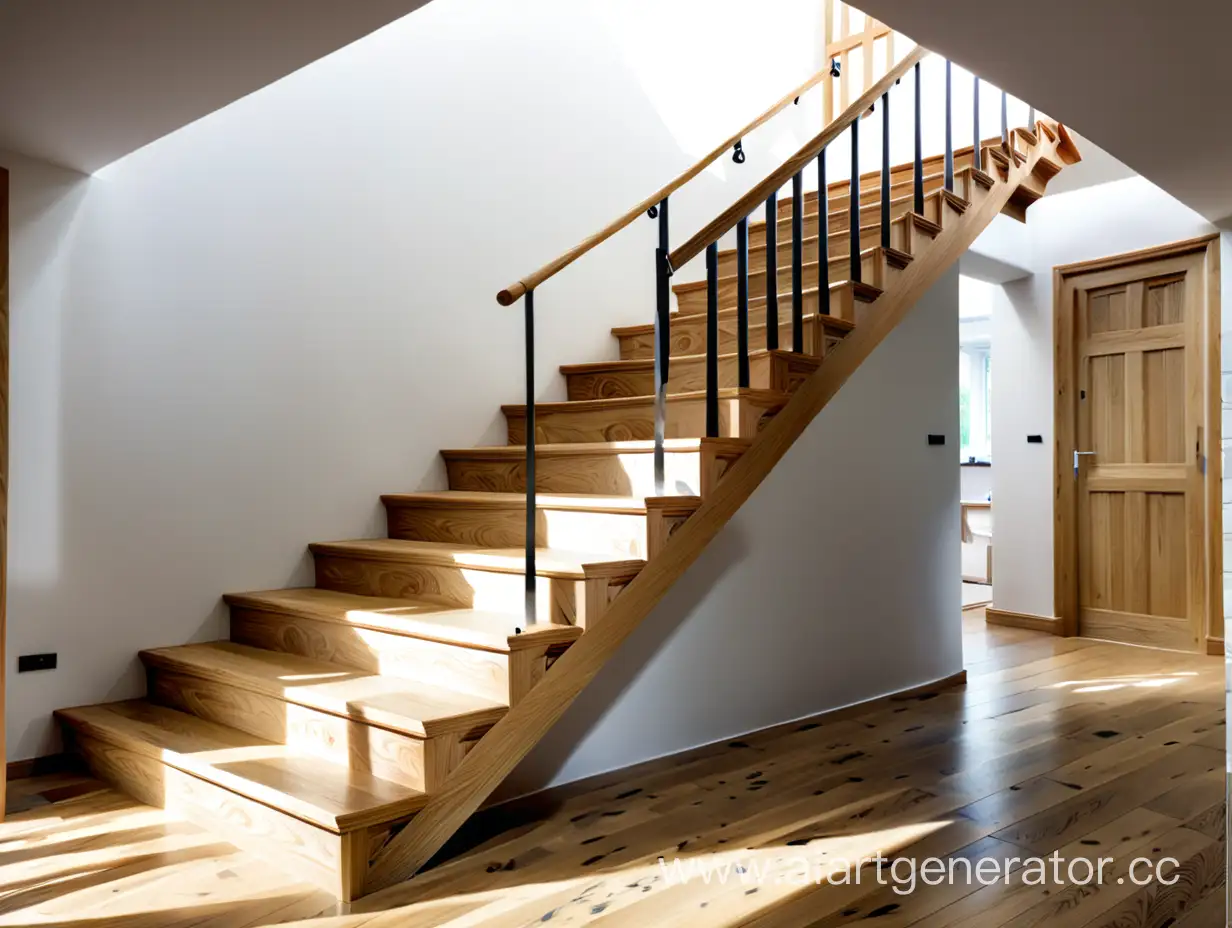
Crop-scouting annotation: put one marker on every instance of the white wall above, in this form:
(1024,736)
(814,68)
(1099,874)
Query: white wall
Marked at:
(228,344)
(975,482)
(790,610)
(1103,220)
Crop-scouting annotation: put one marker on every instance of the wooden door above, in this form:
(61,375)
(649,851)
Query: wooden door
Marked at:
(1138,332)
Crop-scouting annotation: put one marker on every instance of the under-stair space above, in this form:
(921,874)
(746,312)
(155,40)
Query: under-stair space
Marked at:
(336,715)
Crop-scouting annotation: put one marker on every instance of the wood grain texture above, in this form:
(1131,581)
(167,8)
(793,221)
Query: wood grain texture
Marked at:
(876,269)
(608,469)
(955,770)
(631,418)
(1038,623)
(419,710)
(312,854)
(777,371)
(388,755)
(329,796)
(615,526)
(416,618)
(1132,523)
(688,330)
(471,670)
(509,740)
(519,287)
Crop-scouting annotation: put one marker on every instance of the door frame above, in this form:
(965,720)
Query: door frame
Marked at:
(1065,426)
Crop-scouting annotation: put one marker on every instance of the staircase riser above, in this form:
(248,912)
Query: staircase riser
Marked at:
(872,271)
(870,191)
(558,600)
(483,673)
(839,244)
(302,850)
(622,536)
(389,755)
(613,475)
(689,374)
(839,225)
(686,418)
(688,336)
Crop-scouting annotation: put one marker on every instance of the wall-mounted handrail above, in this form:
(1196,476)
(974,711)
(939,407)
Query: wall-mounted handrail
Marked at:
(793,165)
(510,294)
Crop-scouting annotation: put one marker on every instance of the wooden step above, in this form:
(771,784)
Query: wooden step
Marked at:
(401,730)
(625,468)
(902,180)
(965,179)
(877,267)
(619,526)
(631,418)
(575,587)
(484,653)
(902,175)
(902,187)
(778,371)
(688,331)
(902,228)
(312,818)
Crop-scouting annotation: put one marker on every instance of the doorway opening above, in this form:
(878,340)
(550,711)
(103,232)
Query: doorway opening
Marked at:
(975,361)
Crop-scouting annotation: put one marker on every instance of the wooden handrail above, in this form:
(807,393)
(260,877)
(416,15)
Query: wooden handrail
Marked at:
(515,290)
(797,162)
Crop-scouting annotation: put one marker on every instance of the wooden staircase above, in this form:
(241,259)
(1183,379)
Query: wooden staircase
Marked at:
(406,684)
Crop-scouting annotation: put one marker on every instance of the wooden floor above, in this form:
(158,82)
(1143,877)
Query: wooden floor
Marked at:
(1095,750)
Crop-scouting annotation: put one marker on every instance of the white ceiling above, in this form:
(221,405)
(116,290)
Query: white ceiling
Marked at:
(1144,80)
(84,82)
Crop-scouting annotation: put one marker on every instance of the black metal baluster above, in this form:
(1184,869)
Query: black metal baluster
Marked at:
(885,169)
(772,271)
(976,151)
(797,263)
(949,129)
(742,302)
(531,614)
(712,340)
(1005,120)
(853,202)
(823,239)
(917,174)
(662,341)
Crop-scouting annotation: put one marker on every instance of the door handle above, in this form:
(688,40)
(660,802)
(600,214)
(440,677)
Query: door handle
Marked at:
(1077,455)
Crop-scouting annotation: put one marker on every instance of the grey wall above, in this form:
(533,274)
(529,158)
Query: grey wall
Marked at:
(836,582)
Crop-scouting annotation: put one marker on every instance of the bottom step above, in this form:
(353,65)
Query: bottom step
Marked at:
(316,820)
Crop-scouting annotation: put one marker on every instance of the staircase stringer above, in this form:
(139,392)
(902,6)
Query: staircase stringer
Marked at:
(513,737)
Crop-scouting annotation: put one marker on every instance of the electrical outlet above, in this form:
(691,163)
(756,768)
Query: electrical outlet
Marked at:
(28,662)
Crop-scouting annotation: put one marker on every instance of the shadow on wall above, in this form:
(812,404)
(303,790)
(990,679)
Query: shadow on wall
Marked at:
(620,673)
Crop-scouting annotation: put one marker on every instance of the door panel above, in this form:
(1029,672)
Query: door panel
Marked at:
(1139,500)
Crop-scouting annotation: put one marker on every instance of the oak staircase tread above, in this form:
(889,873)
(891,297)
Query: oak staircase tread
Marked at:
(565,449)
(425,619)
(642,364)
(893,255)
(571,502)
(277,775)
(421,710)
(628,402)
(549,562)
(832,323)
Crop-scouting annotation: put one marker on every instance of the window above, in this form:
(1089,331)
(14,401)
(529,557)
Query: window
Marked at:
(974,404)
